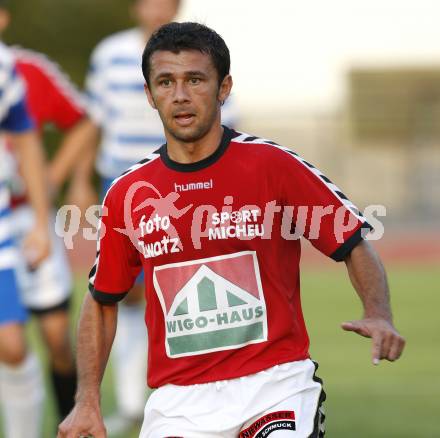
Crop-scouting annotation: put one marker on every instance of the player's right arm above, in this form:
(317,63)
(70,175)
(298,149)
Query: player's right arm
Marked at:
(31,159)
(96,331)
(116,267)
(16,122)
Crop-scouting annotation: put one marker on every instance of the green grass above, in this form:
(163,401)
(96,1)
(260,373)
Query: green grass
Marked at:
(399,400)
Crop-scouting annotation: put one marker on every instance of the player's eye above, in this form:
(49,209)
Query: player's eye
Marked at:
(194,81)
(165,82)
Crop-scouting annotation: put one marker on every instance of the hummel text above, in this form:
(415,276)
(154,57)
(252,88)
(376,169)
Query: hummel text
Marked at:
(206,185)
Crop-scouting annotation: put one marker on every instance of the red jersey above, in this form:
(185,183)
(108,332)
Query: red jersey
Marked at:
(218,241)
(50,97)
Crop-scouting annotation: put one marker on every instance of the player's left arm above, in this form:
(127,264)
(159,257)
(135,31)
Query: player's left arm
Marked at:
(339,234)
(368,277)
(78,146)
(75,156)
(65,108)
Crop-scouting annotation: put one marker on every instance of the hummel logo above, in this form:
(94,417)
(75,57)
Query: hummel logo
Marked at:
(194,186)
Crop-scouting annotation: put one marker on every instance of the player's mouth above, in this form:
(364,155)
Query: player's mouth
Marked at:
(184,118)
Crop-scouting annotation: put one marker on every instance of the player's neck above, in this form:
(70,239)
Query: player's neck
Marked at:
(191,152)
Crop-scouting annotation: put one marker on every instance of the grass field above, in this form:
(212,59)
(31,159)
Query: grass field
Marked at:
(399,400)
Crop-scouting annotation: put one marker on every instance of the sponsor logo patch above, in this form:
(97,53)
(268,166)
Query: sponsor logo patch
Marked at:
(211,304)
(265,425)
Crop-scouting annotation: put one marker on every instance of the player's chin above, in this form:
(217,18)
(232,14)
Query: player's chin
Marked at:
(188,133)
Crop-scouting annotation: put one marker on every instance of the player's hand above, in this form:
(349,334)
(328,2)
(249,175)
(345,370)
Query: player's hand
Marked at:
(386,341)
(85,420)
(36,245)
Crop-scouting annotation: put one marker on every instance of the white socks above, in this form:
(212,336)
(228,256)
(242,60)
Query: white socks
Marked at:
(130,361)
(21,398)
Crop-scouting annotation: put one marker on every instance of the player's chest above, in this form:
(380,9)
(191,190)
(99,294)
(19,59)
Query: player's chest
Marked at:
(197,214)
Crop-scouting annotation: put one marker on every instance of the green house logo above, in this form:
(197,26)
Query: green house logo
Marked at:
(212,310)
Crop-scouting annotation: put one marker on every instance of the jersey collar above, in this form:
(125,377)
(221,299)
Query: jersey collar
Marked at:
(228,134)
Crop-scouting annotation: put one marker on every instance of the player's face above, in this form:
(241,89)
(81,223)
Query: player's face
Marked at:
(184,89)
(152,14)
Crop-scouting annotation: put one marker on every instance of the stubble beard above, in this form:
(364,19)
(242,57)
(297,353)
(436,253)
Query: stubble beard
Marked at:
(195,133)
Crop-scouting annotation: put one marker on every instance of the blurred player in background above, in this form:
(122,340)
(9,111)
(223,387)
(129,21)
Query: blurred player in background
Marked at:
(46,291)
(129,131)
(51,100)
(21,384)
(229,350)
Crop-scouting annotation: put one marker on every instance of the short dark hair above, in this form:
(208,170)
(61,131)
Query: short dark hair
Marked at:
(175,37)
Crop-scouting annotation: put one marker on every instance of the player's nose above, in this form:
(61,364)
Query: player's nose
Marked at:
(181,93)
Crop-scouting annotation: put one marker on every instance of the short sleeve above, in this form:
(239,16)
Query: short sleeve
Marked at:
(65,101)
(322,213)
(51,96)
(95,87)
(117,262)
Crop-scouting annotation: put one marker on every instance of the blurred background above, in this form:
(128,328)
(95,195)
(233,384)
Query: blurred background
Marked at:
(354,87)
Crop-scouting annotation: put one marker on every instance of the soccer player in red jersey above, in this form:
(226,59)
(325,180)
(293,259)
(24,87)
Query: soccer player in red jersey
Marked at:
(213,218)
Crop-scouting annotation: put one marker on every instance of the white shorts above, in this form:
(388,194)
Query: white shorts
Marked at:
(50,285)
(283,401)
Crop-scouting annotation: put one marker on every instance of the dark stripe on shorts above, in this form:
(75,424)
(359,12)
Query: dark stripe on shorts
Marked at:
(63,306)
(318,422)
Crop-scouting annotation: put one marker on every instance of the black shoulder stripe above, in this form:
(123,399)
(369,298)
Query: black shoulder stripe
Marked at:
(106,298)
(92,271)
(250,138)
(291,152)
(308,164)
(327,180)
(356,211)
(143,161)
(341,195)
(345,249)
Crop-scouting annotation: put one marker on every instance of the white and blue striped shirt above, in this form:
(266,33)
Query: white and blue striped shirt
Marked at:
(7,251)
(131,129)
(13,118)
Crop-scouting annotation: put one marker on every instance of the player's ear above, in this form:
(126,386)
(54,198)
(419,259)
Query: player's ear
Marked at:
(225,88)
(149,96)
